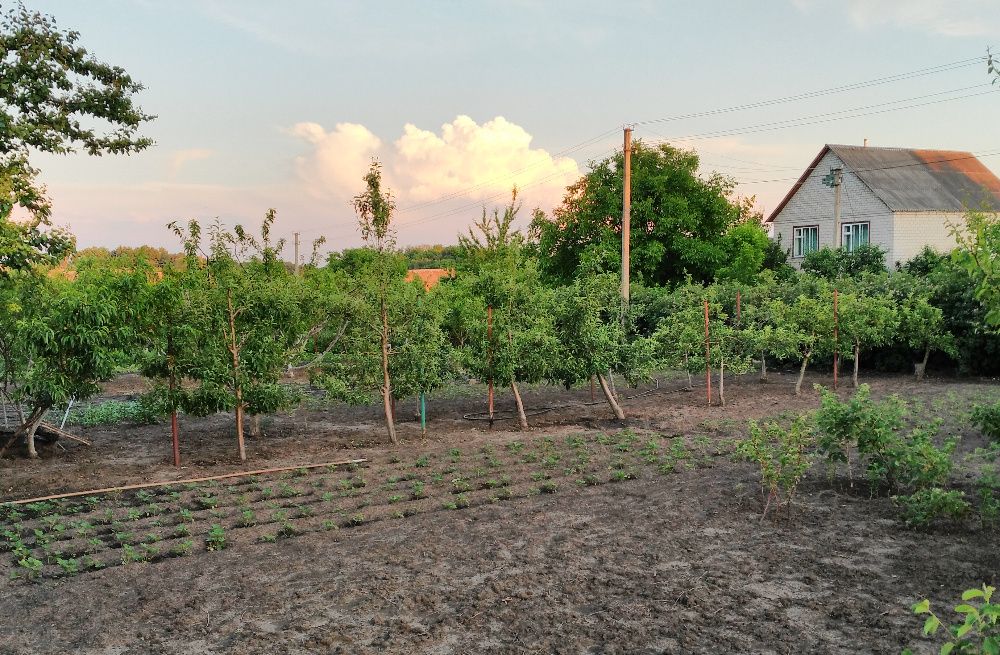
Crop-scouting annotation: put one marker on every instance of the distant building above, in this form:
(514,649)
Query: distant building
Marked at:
(429,276)
(899,199)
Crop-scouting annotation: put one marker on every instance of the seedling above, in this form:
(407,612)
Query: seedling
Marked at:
(182,548)
(216,538)
(395,499)
(247,518)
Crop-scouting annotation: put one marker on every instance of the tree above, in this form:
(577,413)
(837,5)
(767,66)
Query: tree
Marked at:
(837,263)
(679,219)
(978,238)
(60,338)
(507,334)
(804,318)
(921,324)
(867,318)
(253,312)
(595,338)
(55,97)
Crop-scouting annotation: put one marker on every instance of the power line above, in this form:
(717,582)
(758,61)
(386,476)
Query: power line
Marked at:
(941,68)
(828,117)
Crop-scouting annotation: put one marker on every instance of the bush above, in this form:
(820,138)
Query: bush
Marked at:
(113,412)
(923,507)
(987,419)
(782,457)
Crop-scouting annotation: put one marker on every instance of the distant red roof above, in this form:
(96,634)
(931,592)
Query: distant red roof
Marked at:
(429,276)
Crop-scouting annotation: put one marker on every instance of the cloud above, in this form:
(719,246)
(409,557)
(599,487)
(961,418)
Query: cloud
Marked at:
(465,162)
(337,160)
(181,157)
(944,17)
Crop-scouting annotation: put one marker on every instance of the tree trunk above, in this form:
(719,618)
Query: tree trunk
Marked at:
(722,381)
(386,384)
(234,350)
(857,356)
(802,373)
(687,368)
(763,366)
(255,425)
(921,368)
(29,428)
(521,418)
(619,414)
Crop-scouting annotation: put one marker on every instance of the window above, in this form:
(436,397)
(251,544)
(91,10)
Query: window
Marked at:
(853,236)
(804,240)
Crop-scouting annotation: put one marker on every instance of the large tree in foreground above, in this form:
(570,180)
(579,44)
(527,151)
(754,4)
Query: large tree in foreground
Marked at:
(55,97)
(678,219)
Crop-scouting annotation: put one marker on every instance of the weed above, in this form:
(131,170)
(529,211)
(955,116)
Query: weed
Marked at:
(182,548)
(422,462)
(515,447)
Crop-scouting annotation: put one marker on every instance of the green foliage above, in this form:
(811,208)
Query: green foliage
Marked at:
(53,95)
(860,423)
(782,454)
(113,412)
(216,539)
(979,242)
(978,631)
(679,220)
(924,506)
(837,263)
(987,419)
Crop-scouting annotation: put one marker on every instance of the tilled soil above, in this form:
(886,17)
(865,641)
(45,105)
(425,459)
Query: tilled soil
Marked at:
(676,564)
(672,562)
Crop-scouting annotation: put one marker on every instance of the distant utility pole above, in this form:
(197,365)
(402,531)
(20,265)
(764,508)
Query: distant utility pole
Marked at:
(626,216)
(835,179)
(296,253)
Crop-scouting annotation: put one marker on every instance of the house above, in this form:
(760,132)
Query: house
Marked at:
(899,199)
(429,276)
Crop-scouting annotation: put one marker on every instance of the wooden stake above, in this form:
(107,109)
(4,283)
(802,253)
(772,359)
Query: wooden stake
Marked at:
(489,358)
(836,343)
(626,215)
(708,354)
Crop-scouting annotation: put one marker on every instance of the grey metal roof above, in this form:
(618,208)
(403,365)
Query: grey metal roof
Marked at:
(923,180)
(909,179)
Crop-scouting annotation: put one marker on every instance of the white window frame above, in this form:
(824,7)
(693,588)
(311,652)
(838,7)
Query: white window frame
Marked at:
(851,232)
(797,232)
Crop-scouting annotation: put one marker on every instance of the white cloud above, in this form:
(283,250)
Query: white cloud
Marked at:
(944,17)
(465,162)
(337,160)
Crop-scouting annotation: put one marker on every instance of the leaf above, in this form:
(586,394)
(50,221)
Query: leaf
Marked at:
(966,609)
(969,594)
(947,648)
(922,607)
(931,625)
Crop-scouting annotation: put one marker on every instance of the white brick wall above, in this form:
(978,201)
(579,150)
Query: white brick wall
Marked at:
(813,205)
(914,230)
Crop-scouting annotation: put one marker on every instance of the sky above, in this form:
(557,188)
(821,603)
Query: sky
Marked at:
(262,104)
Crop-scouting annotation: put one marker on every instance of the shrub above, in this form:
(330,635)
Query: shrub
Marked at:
(924,506)
(987,419)
(113,412)
(782,457)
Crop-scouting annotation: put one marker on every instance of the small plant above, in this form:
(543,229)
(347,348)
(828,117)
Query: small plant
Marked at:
(417,490)
(31,565)
(182,548)
(327,496)
(267,538)
(247,518)
(461,500)
(979,630)
(781,456)
(69,566)
(515,447)
(458,485)
(187,516)
(131,554)
(549,487)
(395,499)
(328,525)
(987,419)
(357,519)
(216,538)
(422,462)
(182,530)
(924,506)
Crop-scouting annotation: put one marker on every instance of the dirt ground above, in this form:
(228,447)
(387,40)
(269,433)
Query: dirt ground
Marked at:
(676,562)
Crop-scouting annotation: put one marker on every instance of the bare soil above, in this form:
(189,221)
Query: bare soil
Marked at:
(573,537)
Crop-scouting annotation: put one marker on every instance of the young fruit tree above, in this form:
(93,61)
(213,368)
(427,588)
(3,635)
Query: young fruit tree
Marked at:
(59,339)
(253,312)
(867,319)
(507,334)
(595,338)
(921,324)
(804,324)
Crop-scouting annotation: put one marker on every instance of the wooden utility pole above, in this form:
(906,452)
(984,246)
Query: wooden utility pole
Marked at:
(626,216)
(296,253)
(838,178)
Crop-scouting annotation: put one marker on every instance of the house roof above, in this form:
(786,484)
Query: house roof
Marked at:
(908,179)
(429,276)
